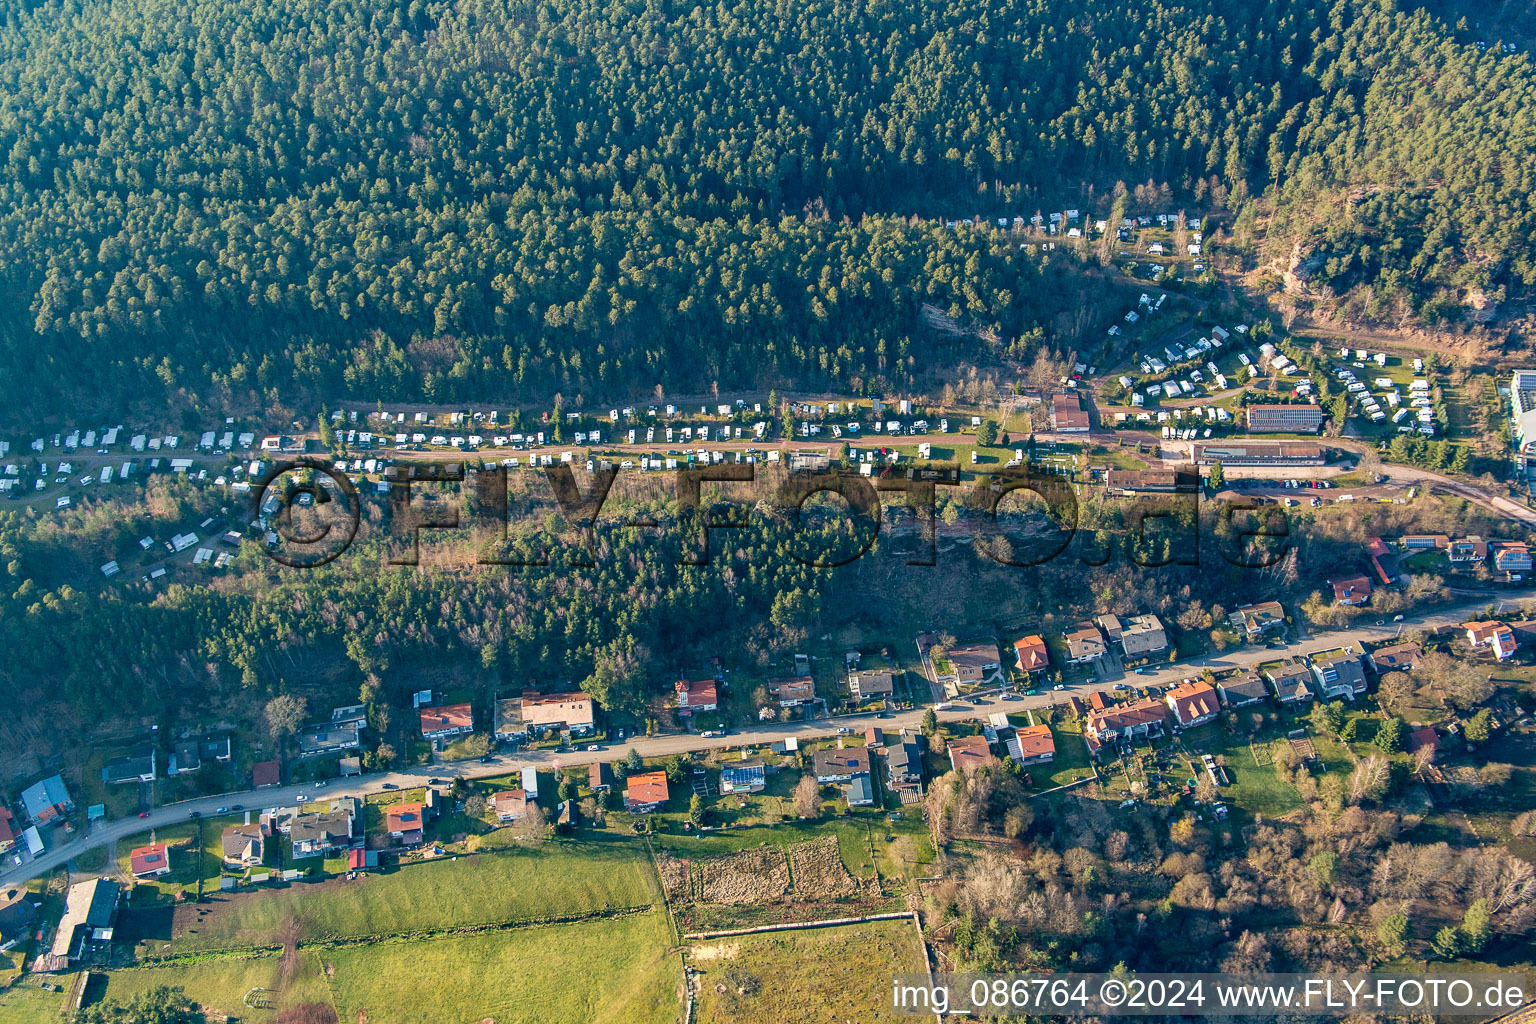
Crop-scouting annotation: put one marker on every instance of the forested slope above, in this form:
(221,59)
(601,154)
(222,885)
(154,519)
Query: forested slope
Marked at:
(498,199)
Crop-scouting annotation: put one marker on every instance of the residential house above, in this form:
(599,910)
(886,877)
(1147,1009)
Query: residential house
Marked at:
(544,713)
(1353,590)
(447,721)
(904,768)
(1127,721)
(1339,673)
(646,792)
(47,801)
(1496,636)
(138,765)
(277,820)
(1425,737)
(1405,655)
(242,846)
(7,829)
(406,823)
(1255,621)
(874,737)
(1426,542)
(1512,558)
(1142,636)
(318,834)
(973,662)
(792,691)
(969,752)
(265,774)
(1085,644)
(17,915)
(150,861)
(509,805)
(341,732)
(695,695)
(743,777)
(1382,561)
(840,764)
(1242,689)
(1033,744)
(1300,418)
(1033,656)
(600,777)
(1470,549)
(860,791)
(1193,703)
(215,746)
(868,685)
(1290,681)
(186,756)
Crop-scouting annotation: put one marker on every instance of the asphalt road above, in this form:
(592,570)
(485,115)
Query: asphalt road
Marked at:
(103,834)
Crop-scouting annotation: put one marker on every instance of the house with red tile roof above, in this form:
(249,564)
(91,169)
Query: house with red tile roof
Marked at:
(405,823)
(1352,591)
(967,753)
(1192,703)
(150,861)
(646,792)
(1032,654)
(264,774)
(1494,635)
(696,695)
(1032,744)
(1124,721)
(446,721)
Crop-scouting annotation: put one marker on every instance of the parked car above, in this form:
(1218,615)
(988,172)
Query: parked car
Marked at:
(390,785)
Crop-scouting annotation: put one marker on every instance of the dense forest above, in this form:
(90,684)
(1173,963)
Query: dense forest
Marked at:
(234,206)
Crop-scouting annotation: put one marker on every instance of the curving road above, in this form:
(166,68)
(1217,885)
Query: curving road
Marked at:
(104,834)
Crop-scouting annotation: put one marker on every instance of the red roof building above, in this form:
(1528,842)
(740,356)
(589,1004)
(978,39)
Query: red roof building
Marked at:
(1032,653)
(969,752)
(405,822)
(1351,590)
(7,829)
(1193,703)
(447,720)
(149,861)
(1032,744)
(646,792)
(697,695)
(265,773)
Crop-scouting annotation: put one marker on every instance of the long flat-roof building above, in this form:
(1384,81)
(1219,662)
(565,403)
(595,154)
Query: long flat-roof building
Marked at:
(1179,480)
(1259,454)
(1299,418)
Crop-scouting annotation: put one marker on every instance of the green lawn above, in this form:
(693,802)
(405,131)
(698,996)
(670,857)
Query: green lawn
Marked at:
(561,879)
(617,970)
(220,984)
(861,841)
(823,974)
(28,1004)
